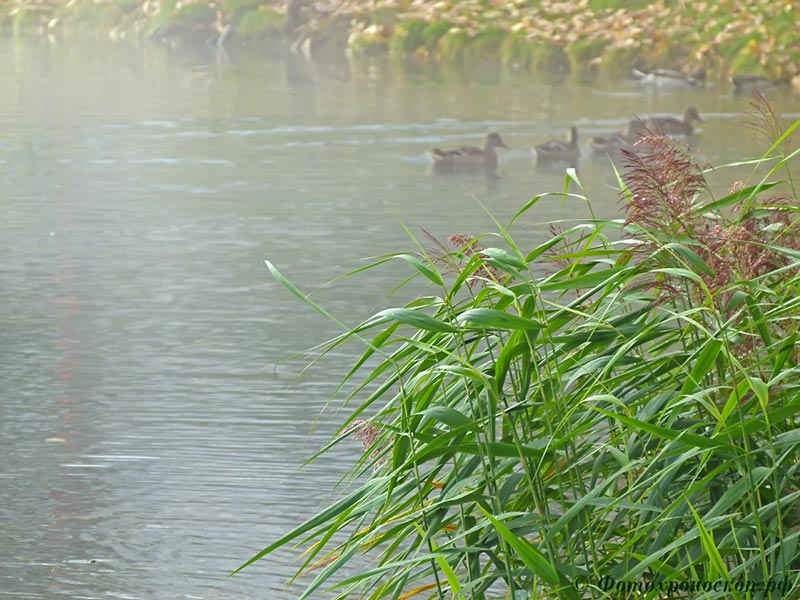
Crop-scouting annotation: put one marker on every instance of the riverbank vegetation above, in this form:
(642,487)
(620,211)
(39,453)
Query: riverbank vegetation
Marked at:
(724,38)
(612,413)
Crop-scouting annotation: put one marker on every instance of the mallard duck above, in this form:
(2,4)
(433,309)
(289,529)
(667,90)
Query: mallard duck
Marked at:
(612,144)
(669,78)
(558,151)
(751,83)
(665,125)
(469,156)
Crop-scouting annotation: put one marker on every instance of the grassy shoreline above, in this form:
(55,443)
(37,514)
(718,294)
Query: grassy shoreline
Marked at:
(588,37)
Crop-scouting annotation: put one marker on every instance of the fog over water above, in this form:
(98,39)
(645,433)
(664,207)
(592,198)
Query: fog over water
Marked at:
(152,427)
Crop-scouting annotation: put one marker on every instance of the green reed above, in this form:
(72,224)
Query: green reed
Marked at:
(611,414)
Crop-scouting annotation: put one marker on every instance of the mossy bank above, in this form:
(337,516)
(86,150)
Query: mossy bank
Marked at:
(724,38)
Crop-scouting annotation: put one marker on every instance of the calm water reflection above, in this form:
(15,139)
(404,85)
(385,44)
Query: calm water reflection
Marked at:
(151,432)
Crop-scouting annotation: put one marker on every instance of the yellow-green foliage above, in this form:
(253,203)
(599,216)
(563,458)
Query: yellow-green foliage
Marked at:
(619,4)
(452,45)
(236,8)
(408,37)
(417,34)
(737,37)
(88,13)
(167,7)
(517,51)
(664,52)
(617,62)
(582,52)
(747,62)
(25,19)
(368,44)
(262,22)
(549,57)
(170,15)
(733,47)
(746,56)
(195,13)
(487,46)
(434,32)
(382,15)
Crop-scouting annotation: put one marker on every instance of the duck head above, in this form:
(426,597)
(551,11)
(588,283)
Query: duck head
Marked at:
(691,114)
(493,140)
(573,137)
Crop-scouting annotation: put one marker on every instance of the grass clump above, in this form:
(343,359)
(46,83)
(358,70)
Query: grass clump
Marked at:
(731,48)
(418,36)
(487,46)
(616,408)
(549,57)
(584,54)
(617,61)
(26,18)
(237,8)
(517,51)
(434,32)
(599,5)
(383,16)
(91,15)
(452,46)
(748,60)
(370,41)
(195,14)
(261,23)
(408,37)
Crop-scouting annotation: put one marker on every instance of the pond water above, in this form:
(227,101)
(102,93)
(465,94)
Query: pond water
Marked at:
(151,427)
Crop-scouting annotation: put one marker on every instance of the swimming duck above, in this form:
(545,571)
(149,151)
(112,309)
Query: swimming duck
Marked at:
(469,156)
(665,125)
(612,144)
(558,151)
(751,83)
(669,78)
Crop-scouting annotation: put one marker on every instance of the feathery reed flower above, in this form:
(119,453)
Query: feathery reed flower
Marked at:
(663,182)
(664,190)
(459,246)
(371,437)
(766,121)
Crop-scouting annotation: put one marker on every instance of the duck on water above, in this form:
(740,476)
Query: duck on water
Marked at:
(557,151)
(669,78)
(672,126)
(612,144)
(468,158)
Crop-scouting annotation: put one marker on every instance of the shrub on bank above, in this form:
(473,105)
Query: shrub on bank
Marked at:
(714,36)
(262,22)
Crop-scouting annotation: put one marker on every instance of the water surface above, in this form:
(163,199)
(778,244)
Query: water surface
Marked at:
(152,430)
